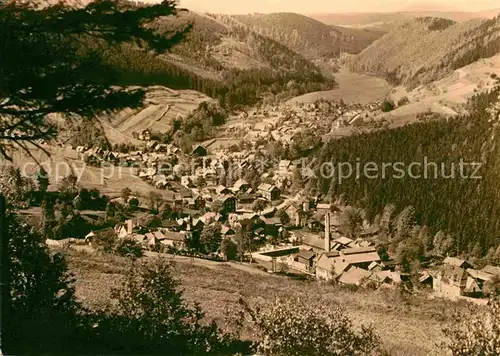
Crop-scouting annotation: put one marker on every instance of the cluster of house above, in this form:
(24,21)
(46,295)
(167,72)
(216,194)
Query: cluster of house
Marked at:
(357,262)
(283,122)
(173,233)
(333,256)
(456,278)
(153,153)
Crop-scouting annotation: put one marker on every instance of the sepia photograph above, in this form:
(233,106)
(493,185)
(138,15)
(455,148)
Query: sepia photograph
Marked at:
(250,178)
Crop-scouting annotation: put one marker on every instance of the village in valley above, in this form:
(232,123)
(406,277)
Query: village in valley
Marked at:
(237,178)
(230,199)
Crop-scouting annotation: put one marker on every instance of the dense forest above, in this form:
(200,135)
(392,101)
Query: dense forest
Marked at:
(311,38)
(200,63)
(467,209)
(444,46)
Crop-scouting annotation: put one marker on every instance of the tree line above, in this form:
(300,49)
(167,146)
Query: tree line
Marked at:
(467,209)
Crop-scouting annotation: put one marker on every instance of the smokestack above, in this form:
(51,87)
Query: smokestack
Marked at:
(327,232)
(130,227)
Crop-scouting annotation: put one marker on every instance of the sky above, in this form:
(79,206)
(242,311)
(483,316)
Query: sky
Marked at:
(334,6)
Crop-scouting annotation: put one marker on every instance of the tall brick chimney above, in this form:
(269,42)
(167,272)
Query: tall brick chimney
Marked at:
(327,232)
(130,227)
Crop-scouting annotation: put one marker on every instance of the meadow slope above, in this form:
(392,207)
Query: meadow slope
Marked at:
(407,326)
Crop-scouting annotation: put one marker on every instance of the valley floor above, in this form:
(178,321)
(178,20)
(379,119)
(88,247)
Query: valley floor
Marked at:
(352,89)
(407,326)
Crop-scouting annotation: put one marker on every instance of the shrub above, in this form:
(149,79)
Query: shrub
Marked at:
(293,327)
(106,240)
(387,106)
(128,248)
(152,318)
(475,333)
(403,101)
(39,286)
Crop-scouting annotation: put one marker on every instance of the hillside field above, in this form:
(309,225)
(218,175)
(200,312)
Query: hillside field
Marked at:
(407,326)
(352,89)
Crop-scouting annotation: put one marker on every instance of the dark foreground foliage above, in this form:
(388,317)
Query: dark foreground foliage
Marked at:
(149,316)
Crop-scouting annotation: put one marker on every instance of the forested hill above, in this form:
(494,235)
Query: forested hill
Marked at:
(311,38)
(467,211)
(427,49)
(223,59)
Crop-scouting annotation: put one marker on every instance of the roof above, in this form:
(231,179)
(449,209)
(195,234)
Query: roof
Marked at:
(453,261)
(226,230)
(360,258)
(310,239)
(332,254)
(226,197)
(169,223)
(173,236)
(306,254)
(220,189)
(481,275)
(267,187)
(324,206)
(383,275)
(453,274)
(491,270)
(271,221)
(246,197)
(324,262)
(284,163)
(159,235)
(424,276)
(343,240)
(358,250)
(239,183)
(354,276)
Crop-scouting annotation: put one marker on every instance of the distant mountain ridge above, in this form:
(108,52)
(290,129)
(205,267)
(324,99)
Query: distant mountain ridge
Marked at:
(309,37)
(223,58)
(352,19)
(427,49)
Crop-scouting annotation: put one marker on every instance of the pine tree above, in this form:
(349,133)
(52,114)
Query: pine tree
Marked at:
(48,65)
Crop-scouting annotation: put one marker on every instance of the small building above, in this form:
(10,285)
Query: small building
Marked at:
(199,151)
(306,258)
(269,192)
(325,266)
(453,261)
(145,135)
(241,185)
(354,276)
(450,281)
(295,212)
(173,239)
(246,198)
(228,204)
(476,280)
(491,270)
(324,208)
(196,203)
(222,190)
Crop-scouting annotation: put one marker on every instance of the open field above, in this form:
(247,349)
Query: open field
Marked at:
(446,96)
(162,106)
(407,326)
(108,180)
(352,89)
